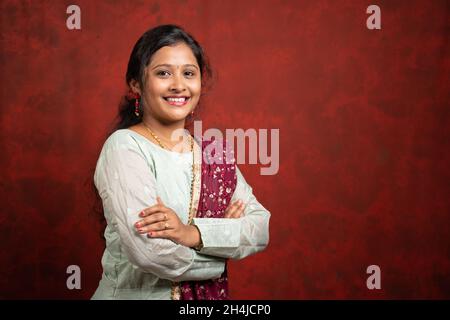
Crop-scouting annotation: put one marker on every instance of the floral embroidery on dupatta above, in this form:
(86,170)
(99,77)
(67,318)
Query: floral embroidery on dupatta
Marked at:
(212,194)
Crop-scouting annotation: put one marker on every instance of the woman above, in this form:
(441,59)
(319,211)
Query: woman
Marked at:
(173,217)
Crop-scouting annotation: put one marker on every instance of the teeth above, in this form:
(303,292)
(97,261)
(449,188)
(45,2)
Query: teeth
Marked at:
(176,99)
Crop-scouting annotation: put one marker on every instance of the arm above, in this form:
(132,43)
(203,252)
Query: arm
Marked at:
(126,185)
(236,238)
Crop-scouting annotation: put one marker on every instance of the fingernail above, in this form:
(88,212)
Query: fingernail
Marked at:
(141,214)
(138,224)
(141,230)
(149,234)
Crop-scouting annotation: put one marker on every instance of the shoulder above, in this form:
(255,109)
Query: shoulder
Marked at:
(125,148)
(122,158)
(119,139)
(121,143)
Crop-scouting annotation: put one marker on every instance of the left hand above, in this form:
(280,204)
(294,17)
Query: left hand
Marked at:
(159,221)
(235,210)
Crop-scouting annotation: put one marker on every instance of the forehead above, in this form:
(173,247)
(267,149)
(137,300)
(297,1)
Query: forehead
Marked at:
(178,54)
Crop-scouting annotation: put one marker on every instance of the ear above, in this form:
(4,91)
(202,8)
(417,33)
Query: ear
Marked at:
(134,85)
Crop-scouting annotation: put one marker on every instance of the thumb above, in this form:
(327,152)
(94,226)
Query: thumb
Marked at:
(159,201)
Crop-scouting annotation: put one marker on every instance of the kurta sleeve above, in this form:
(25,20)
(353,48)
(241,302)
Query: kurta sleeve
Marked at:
(236,238)
(127,185)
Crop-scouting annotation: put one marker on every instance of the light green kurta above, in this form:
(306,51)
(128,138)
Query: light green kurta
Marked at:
(131,171)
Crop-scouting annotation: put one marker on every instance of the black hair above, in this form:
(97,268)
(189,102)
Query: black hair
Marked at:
(150,42)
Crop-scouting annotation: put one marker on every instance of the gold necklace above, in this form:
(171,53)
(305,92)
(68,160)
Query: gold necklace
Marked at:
(155,136)
(191,214)
(176,289)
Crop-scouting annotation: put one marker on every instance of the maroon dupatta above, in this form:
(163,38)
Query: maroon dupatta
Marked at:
(218,182)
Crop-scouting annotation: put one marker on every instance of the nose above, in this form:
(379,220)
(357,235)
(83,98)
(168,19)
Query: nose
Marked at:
(177,84)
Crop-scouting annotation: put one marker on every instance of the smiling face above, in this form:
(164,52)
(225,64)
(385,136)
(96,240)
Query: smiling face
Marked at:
(172,84)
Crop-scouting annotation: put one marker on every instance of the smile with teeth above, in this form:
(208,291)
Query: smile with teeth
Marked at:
(181,101)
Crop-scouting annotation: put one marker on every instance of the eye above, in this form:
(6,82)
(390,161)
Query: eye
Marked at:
(189,73)
(162,73)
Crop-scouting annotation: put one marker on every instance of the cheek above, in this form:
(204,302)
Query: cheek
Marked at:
(154,91)
(196,88)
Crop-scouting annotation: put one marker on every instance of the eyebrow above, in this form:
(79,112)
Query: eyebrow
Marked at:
(171,65)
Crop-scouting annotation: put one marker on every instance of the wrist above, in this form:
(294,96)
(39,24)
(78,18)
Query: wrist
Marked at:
(197,243)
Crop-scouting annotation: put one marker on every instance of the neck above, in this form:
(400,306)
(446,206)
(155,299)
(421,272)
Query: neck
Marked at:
(164,131)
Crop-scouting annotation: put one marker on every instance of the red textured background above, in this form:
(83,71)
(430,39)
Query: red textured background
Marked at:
(364,138)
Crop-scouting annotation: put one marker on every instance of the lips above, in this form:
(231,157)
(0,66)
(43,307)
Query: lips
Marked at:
(177,100)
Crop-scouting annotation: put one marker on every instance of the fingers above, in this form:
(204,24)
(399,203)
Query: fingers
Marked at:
(155,226)
(235,210)
(159,206)
(157,217)
(232,208)
(153,209)
(239,211)
(159,234)
(153,222)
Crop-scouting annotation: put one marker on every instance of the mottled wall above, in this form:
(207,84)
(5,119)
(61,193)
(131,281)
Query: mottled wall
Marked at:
(364,138)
